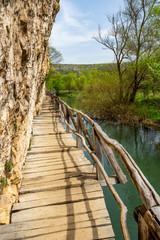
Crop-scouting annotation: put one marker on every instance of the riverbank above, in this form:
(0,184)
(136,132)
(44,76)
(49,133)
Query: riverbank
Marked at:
(145,112)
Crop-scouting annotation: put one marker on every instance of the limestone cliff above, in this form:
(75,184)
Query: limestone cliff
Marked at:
(25,27)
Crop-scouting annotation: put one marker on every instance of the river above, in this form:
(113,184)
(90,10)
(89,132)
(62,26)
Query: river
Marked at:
(144,147)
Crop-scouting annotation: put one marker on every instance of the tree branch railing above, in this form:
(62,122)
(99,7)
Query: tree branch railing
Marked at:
(100,144)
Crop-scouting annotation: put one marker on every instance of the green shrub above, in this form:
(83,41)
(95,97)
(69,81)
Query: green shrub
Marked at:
(2,182)
(29,149)
(8,166)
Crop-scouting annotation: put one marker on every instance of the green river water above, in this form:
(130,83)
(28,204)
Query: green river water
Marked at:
(143,145)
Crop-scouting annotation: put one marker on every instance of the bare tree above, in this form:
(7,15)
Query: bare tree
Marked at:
(55,56)
(116,40)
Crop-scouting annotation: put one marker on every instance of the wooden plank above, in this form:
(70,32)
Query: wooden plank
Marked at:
(52,177)
(92,229)
(60,192)
(66,141)
(64,183)
(54,162)
(62,221)
(45,201)
(63,166)
(58,210)
(50,149)
(74,152)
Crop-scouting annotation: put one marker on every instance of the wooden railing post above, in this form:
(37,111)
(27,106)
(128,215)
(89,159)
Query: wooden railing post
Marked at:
(79,130)
(60,111)
(67,119)
(113,163)
(99,154)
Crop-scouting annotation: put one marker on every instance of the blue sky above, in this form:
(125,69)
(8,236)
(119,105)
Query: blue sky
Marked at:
(74,28)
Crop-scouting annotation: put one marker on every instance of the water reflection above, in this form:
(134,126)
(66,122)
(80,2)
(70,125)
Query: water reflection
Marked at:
(142,145)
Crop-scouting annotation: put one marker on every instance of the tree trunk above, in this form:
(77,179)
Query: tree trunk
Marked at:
(133,94)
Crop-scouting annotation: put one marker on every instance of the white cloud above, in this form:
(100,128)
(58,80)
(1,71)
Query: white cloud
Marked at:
(70,13)
(72,28)
(73,33)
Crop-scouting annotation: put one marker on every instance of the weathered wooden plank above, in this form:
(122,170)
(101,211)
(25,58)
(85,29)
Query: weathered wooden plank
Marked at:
(45,201)
(74,152)
(60,192)
(58,210)
(50,149)
(66,142)
(62,221)
(64,183)
(53,137)
(94,229)
(47,130)
(64,165)
(55,162)
(47,178)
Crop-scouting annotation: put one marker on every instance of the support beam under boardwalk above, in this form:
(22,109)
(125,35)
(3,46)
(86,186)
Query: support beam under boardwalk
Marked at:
(60,197)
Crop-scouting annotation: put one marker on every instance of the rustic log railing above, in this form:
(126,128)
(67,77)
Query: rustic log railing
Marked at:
(100,144)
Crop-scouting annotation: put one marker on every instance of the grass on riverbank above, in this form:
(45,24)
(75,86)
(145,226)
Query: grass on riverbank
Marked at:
(148,107)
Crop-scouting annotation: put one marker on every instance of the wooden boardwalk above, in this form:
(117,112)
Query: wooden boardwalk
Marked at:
(60,197)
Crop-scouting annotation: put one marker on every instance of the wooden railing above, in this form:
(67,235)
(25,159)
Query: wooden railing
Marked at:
(97,146)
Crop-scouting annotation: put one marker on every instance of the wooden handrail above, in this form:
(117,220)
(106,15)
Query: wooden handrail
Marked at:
(147,193)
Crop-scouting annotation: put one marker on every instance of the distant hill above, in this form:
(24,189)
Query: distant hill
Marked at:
(66,68)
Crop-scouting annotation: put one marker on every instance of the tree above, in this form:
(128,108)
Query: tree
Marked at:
(55,56)
(131,37)
(80,82)
(69,81)
(142,42)
(54,80)
(116,40)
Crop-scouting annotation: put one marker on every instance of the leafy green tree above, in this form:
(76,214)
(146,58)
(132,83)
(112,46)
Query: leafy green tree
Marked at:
(54,80)
(69,81)
(80,82)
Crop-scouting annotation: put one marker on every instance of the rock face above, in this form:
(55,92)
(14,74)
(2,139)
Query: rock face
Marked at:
(25,27)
